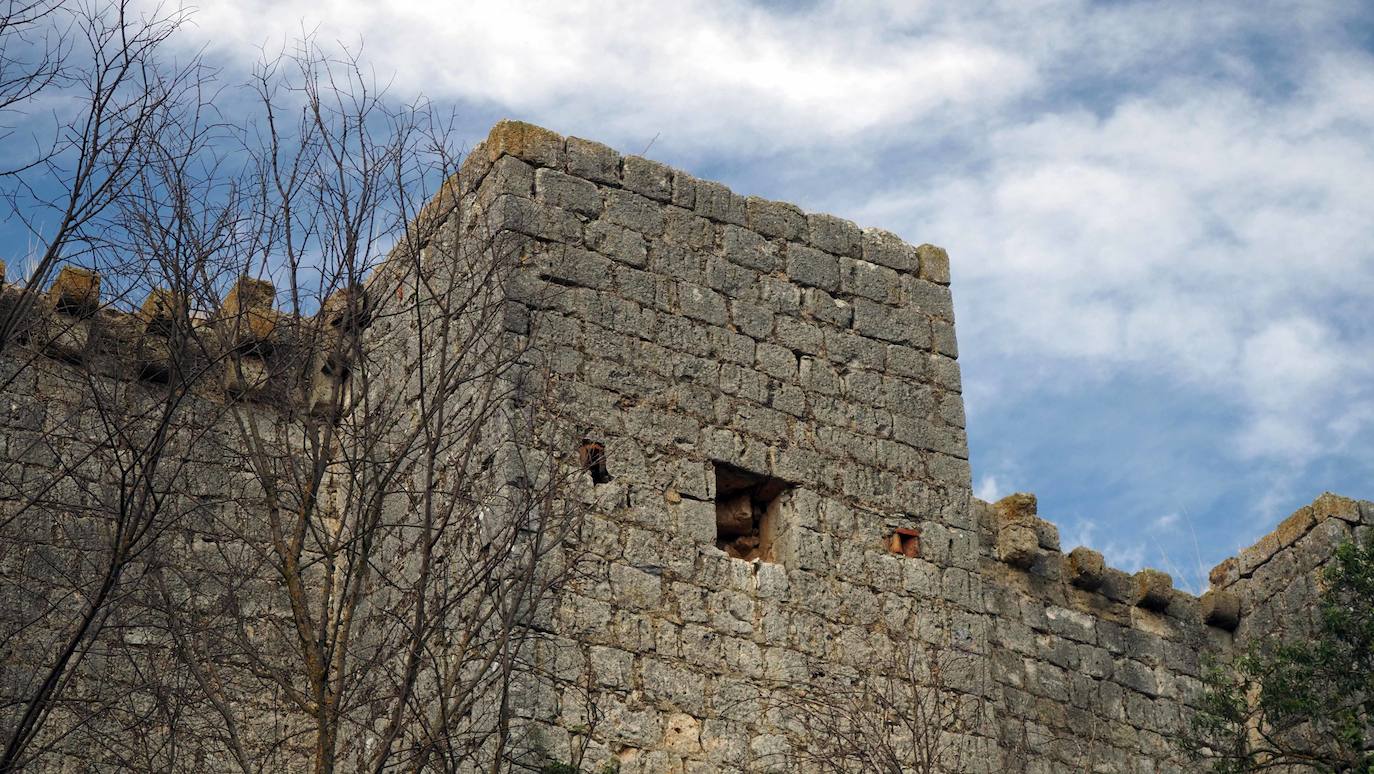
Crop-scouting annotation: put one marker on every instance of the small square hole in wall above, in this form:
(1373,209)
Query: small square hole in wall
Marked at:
(592,456)
(747,507)
(905,542)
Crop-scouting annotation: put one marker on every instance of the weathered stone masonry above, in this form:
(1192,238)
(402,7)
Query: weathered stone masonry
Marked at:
(782,495)
(699,329)
(700,335)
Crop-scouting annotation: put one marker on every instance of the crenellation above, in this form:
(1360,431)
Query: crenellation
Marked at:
(75,292)
(254,346)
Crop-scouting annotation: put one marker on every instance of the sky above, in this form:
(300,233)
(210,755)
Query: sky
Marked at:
(1160,215)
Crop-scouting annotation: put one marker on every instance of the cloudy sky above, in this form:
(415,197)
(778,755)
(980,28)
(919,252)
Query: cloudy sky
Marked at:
(1160,215)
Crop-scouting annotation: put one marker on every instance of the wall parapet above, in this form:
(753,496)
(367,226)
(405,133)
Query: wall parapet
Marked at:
(244,349)
(1022,540)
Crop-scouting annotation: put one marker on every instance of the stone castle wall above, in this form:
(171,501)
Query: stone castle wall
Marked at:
(768,406)
(82,420)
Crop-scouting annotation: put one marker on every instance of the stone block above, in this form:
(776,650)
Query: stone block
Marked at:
(1256,555)
(1047,535)
(567,192)
(1333,506)
(888,249)
(716,202)
(729,347)
(1220,609)
(1014,508)
(681,735)
(76,291)
(689,229)
(799,336)
(1085,568)
(861,278)
(247,310)
(944,371)
(931,299)
(617,242)
(573,265)
(770,580)
(748,249)
(648,178)
(672,686)
(730,278)
(634,212)
(508,175)
(943,340)
(1136,676)
(1072,624)
(1153,589)
(684,190)
(1117,586)
(676,261)
(751,319)
(775,219)
(611,667)
(809,266)
(524,141)
(779,294)
(695,519)
(877,321)
(1225,573)
(593,161)
(951,470)
(1017,545)
(822,306)
(634,588)
(525,216)
(836,236)
(934,264)
(1291,529)
(702,304)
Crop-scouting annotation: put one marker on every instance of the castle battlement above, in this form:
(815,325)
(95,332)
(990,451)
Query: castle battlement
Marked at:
(243,349)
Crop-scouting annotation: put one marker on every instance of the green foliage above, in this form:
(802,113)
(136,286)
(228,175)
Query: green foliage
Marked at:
(1304,703)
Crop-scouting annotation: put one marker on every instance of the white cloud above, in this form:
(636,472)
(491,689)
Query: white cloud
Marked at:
(989,489)
(701,74)
(1214,240)
(1167,521)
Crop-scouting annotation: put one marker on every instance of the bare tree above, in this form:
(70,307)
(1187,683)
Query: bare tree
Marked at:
(323,496)
(30,53)
(408,495)
(87,486)
(90,85)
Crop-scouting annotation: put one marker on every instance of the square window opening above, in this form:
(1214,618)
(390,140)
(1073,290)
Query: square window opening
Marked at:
(905,542)
(747,506)
(592,456)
